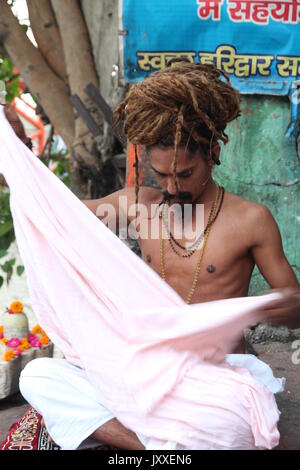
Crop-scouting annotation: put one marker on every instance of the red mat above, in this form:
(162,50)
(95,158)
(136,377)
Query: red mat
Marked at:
(28,434)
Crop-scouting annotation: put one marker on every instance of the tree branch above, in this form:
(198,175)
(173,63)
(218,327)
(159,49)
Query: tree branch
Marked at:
(81,70)
(46,33)
(41,80)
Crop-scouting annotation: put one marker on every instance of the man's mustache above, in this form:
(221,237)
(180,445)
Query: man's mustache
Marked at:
(182,196)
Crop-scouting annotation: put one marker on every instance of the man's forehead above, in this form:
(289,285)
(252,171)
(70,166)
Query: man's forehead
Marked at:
(163,159)
(183,154)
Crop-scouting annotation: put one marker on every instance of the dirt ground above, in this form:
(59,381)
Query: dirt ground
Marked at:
(277,355)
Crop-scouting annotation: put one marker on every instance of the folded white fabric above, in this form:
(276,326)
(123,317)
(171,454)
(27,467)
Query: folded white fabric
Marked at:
(258,369)
(72,408)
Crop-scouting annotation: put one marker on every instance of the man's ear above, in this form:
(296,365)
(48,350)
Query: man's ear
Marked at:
(215,154)
(217,150)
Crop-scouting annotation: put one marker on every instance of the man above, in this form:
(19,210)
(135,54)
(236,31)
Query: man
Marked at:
(179,115)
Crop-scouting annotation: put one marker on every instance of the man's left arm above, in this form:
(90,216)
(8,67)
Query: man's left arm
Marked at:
(268,254)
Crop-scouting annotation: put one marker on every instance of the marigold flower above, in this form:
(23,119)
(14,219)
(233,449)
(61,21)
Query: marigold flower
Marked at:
(1,329)
(16,307)
(21,347)
(13,342)
(8,355)
(5,340)
(36,330)
(45,340)
(25,343)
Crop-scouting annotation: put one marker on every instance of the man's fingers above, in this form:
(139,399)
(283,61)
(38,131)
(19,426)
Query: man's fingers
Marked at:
(274,305)
(289,297)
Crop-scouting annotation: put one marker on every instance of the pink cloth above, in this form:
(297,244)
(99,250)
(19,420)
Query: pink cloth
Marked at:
(158,363)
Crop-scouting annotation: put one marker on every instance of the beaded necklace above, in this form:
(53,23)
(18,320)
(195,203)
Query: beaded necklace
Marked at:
(196,274)
(190,251)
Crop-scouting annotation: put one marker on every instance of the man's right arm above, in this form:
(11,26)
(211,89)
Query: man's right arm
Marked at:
(111,208)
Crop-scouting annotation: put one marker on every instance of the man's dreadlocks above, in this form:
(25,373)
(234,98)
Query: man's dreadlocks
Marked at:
(185,104)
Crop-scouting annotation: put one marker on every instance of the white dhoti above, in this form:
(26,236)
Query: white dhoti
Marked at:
(72,407)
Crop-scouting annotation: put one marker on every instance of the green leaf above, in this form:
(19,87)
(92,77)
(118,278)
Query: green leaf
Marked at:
(4,267)
(7,266)
(12,81)
(9,275)
(6,227)
(1,281)
(3,253)
(20,270)
(25,27)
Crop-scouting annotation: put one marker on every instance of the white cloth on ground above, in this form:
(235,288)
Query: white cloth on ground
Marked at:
(72,408)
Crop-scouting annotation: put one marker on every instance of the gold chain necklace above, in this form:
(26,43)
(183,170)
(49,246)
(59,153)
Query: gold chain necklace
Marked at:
(196,274)
(192,249)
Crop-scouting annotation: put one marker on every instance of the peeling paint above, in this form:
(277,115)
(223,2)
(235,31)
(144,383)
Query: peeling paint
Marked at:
(247,111)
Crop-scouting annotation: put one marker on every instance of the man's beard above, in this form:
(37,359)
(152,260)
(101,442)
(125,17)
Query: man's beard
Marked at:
(183,197)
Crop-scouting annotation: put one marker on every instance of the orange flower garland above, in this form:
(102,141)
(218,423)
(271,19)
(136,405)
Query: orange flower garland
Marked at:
(25,343)
(36,330)
(37,338)
(45,340)
(8,355)
(16,307)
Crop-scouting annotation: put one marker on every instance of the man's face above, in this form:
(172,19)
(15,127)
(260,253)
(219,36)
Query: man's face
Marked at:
(192,171)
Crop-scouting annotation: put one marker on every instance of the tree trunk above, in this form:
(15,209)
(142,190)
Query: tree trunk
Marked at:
(81,70)
(47,36)
(42,81)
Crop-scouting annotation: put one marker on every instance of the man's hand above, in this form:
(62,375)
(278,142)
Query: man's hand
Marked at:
(285,311)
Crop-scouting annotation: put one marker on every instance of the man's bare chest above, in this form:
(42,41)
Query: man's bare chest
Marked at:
(222,267)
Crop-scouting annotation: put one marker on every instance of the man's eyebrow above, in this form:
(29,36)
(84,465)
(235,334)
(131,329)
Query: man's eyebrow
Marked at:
(178,173)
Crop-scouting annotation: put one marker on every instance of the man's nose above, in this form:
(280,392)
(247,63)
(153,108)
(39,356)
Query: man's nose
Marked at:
(172,187)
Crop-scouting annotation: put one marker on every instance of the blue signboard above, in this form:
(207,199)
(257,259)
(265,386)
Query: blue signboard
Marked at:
(257,43)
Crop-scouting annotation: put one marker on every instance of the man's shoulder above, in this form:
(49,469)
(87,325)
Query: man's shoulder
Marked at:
(146,195)
(252,210)
(254,220)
